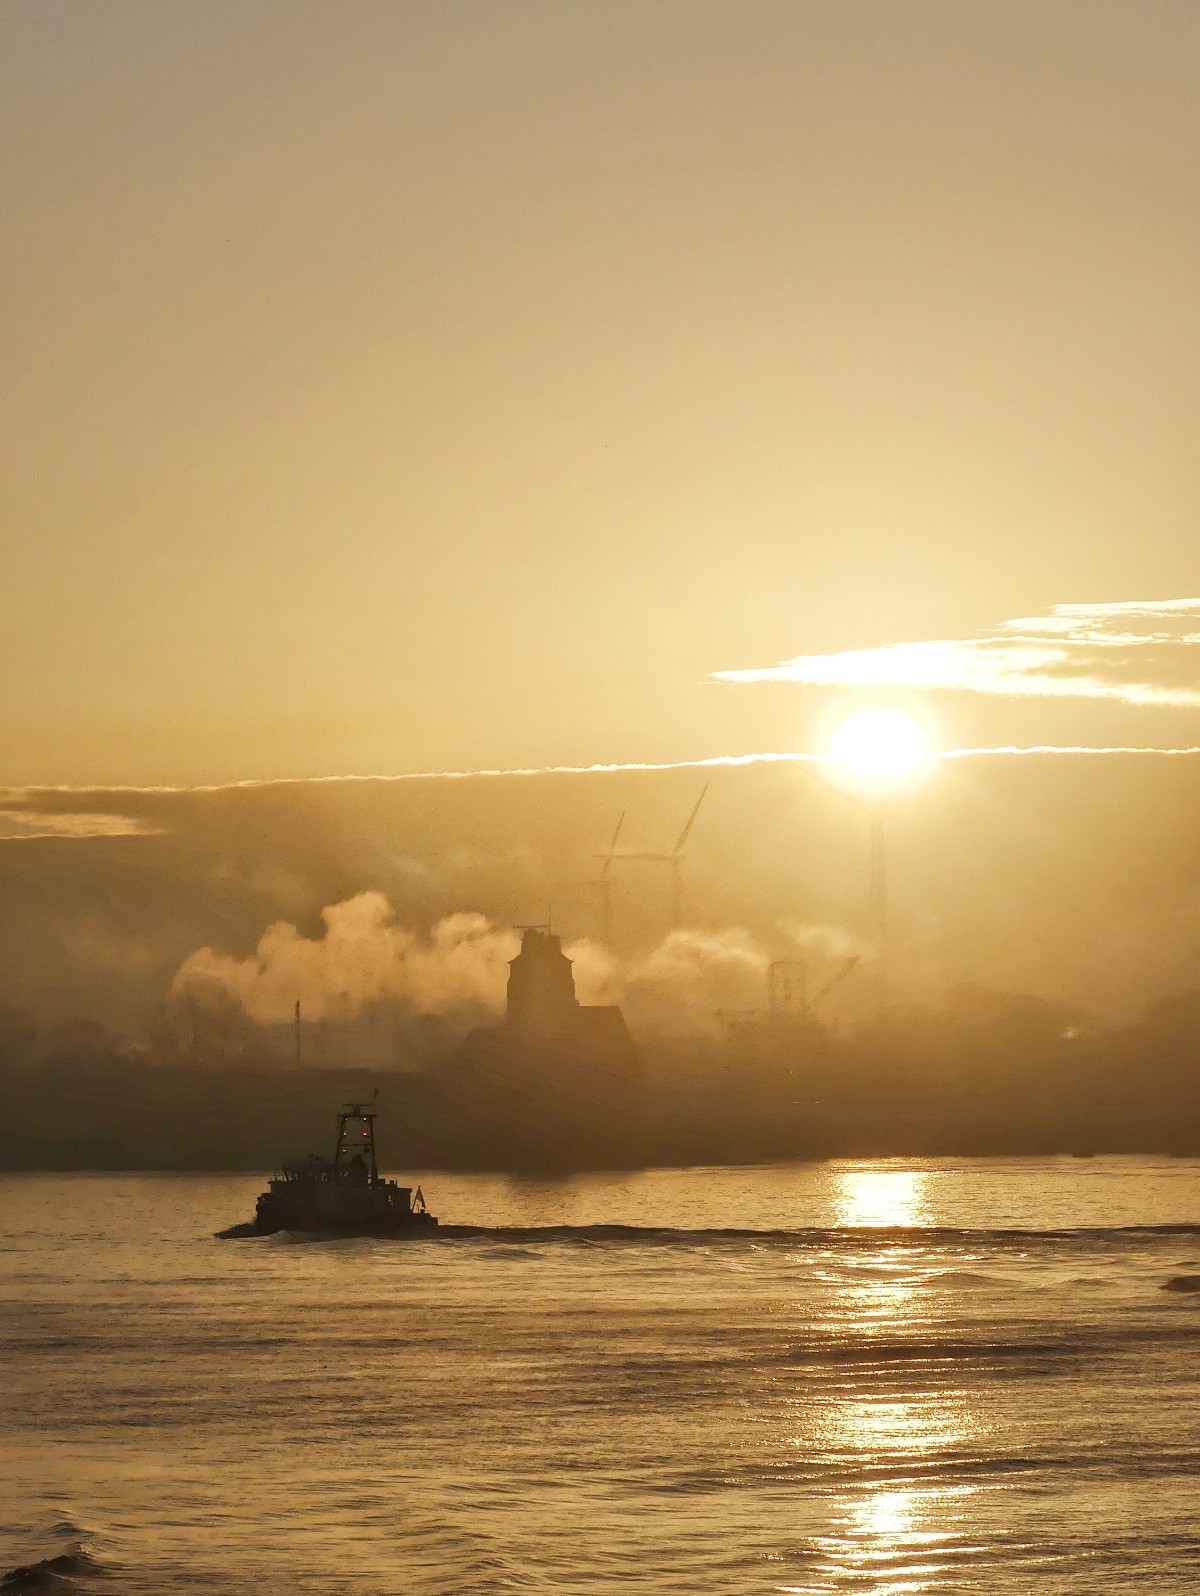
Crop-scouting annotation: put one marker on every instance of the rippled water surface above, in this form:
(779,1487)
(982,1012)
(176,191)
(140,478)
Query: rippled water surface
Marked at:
(874,1377)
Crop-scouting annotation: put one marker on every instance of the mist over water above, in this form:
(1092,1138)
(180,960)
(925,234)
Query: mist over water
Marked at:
(859,1376)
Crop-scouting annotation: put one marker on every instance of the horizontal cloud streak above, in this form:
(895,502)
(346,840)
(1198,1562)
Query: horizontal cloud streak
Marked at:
(95,812)
(1077,651)
(30,824)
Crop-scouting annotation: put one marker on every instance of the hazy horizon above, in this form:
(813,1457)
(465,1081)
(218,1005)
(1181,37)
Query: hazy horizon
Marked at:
(1070,877)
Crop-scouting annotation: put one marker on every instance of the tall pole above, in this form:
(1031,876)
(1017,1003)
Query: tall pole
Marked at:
(297,1033)
(877,814)
(878,890)
(606,902)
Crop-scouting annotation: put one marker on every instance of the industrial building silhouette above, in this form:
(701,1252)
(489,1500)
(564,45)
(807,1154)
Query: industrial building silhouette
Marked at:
(556,1080)
(543,1010)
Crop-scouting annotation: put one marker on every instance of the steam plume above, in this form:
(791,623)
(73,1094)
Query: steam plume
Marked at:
(363,958)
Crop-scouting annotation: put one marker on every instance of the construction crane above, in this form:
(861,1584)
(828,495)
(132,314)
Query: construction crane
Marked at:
(786,979)
(604,882)
(835,980)
(674,860)
(786,994)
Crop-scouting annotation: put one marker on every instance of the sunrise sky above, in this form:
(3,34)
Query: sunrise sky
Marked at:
(615,584)
(398,387)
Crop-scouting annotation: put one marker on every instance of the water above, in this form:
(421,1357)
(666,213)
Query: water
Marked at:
(872,1377)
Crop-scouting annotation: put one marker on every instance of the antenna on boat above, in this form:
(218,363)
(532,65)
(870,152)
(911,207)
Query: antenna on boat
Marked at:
(297,1033)
(353,1144)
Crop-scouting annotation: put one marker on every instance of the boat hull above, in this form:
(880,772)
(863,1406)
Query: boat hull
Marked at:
(412,1225)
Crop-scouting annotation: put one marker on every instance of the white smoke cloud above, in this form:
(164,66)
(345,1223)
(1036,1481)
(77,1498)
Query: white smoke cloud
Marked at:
(692,978)
(1136,651)
(363,958)
(689,967)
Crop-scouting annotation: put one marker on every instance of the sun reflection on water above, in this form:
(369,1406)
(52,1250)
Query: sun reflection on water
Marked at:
(880,1198)
(890,1513)
(891,1529)
(896,1541)
(893,1524)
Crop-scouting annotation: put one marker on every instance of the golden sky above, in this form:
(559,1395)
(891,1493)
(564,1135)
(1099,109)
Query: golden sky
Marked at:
(395,386)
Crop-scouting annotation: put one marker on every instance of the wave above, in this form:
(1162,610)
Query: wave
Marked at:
(866,1236)
(57,1573)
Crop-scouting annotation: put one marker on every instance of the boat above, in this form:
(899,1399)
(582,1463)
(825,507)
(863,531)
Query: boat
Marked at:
(343,1195)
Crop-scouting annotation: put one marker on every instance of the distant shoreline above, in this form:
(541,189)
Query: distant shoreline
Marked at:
(565,1172)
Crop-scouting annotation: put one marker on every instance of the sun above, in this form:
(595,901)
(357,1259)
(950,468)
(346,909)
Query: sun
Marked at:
(879,744)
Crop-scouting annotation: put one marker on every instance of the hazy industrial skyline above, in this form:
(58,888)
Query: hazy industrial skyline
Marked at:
(409,388)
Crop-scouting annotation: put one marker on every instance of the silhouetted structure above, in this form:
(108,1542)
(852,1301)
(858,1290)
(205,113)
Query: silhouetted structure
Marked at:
(605,884)
(542,1007)
(674,860)
(558,1081)
(543,1011)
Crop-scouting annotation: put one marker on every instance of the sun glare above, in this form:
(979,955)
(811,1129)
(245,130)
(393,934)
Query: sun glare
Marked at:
(880,744)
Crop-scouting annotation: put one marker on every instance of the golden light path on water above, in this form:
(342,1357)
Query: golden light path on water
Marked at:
(881,1197)
(893,1529)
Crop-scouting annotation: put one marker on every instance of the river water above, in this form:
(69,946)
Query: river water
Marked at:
(875,1377)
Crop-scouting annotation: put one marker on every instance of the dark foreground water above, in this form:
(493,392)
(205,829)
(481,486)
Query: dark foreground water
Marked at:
(873,1377)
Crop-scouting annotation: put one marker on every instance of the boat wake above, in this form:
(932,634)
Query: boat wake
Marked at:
(61,1572)
(820,1236)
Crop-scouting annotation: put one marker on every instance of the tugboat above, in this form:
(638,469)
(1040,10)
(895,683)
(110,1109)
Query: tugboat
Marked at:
(342,1195)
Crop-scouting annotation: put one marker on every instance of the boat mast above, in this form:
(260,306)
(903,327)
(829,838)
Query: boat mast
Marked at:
(360,1140)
